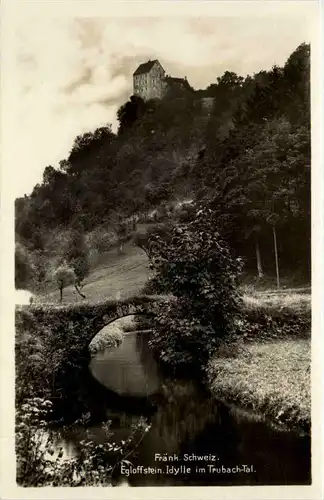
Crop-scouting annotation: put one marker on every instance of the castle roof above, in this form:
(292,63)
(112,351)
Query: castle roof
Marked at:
(145,67)
(179,81)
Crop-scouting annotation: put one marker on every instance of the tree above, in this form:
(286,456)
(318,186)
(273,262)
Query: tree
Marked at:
(297,85)
(63,277)
(85,143)
(129,113)
(156,194)
(258,176)
(279,165)
(196,267)
(146,240)
(77,256)
(24,268)
(122,232)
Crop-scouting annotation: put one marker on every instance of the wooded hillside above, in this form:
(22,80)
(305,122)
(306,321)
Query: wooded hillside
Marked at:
(248,159)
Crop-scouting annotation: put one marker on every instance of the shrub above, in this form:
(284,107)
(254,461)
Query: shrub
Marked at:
(43,362)
(274,323)
(24,268)
(184,212)
(35,362)
(148,288)
(145,239)
(195,266)
(101,240)
(41,463)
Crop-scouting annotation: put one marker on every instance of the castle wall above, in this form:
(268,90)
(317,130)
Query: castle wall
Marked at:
(150,85)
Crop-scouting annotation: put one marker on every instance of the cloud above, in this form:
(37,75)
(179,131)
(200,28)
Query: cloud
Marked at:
(84,78)
(73,74)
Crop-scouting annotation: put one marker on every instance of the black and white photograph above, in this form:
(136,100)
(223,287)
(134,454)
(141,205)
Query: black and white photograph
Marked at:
(162,191)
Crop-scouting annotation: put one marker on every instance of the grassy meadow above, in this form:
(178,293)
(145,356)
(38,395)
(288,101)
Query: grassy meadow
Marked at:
(115,276)
(272,378)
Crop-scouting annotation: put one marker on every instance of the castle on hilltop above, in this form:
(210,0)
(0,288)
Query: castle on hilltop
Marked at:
(151,82)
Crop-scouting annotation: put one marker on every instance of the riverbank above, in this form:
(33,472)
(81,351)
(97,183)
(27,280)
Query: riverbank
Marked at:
(110,336)
(267,369)
(272,378)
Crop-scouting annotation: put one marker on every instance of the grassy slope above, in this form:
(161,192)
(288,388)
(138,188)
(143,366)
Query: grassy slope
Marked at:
(278,301)
(116,276)
(272,378)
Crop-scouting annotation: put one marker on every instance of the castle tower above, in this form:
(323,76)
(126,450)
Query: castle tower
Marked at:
(149,81)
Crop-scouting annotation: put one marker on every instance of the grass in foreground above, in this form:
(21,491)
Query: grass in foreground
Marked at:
(272,378)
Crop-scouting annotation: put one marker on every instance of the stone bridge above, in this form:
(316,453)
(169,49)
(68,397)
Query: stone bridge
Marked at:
(62,334)
(75,325)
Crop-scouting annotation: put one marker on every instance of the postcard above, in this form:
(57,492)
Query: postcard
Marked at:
(162,232)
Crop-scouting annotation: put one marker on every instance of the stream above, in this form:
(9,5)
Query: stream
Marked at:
(193,439)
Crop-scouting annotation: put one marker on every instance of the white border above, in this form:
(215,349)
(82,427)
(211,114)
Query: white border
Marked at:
(188,8)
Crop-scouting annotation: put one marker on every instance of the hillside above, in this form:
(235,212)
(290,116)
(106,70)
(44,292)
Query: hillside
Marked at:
(118,276)
(115,277)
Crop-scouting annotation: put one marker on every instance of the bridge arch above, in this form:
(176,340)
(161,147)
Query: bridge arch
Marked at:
(75,325)
(121,310)
(113,319)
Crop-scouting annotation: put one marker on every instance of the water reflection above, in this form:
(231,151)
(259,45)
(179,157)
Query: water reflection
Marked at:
(188,422)
(129,368)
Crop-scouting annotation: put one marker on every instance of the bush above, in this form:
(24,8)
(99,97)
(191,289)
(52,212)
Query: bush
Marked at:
(194,266)
(101,240)
(41,463)
(274,323)
(33,378)
(148,288)
(145,240)
(46,369)
(184,212)
(24,268)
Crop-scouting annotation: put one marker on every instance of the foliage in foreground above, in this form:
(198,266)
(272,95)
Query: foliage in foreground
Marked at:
(41,463)
(196,268)
(272,378)
(41,364)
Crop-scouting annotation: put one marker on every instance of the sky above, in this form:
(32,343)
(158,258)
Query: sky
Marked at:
(72,74)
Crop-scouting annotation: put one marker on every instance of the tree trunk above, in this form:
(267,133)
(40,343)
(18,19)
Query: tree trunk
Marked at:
(258,258)
(79,291)
(276,255)
(142,247)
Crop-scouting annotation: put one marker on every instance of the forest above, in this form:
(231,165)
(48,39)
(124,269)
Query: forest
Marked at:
(246,158)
